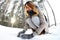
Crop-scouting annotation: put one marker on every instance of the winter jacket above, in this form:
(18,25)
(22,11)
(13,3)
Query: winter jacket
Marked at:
(43,24)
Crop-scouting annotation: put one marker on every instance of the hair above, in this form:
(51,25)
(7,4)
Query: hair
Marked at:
(30,4)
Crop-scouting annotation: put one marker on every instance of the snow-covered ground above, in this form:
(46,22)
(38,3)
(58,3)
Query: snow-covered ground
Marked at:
(8,33)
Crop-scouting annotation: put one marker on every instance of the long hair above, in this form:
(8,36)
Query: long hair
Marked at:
(31,5)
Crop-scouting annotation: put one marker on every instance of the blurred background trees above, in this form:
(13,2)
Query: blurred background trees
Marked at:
(12,12)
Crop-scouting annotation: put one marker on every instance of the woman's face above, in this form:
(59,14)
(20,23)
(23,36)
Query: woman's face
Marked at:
(28,8)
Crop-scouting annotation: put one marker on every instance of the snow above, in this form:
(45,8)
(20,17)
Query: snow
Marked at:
(29,31)
(55,30)
(8,33)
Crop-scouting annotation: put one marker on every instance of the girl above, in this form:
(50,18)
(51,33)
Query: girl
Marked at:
(35,19)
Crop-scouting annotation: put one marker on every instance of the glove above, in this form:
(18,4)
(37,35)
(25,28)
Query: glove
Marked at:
(31,12)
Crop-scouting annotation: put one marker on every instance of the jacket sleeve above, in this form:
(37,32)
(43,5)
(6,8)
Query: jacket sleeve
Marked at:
(43,25)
